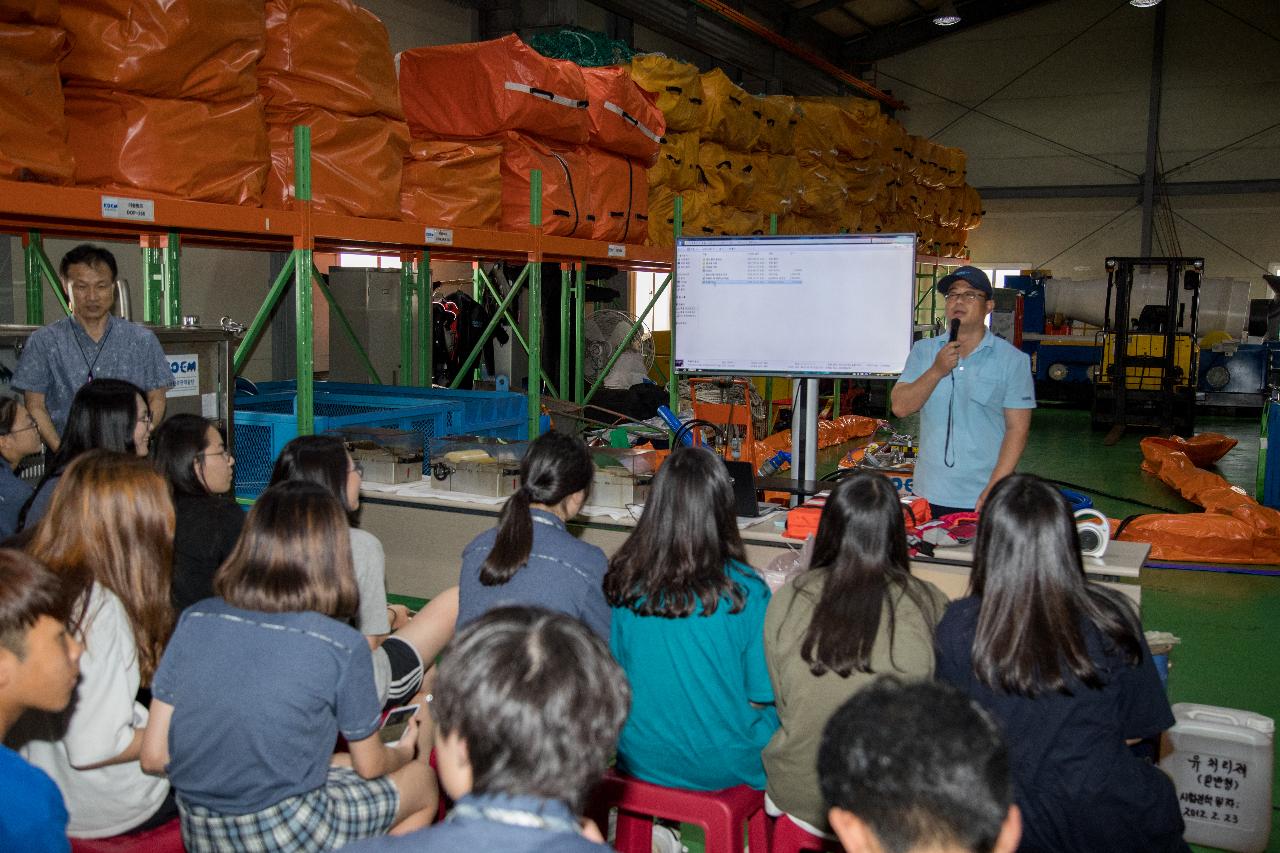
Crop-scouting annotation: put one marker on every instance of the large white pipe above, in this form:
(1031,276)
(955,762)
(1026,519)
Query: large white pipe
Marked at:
(1224,302)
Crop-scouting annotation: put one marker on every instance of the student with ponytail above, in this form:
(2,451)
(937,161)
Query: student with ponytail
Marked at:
(531,558)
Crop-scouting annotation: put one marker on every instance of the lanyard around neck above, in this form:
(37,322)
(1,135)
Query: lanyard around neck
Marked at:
(101,346)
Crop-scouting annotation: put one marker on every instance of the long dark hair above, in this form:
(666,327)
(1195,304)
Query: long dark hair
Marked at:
(555,467)
(861,553)
(319,459)
(679,549)
(102,417)
(293,555)
(177,450)
(8,411)
(1035,597)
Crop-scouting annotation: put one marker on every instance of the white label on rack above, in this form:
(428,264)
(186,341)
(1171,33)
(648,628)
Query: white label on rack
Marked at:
(617,250)
(440,236)
(141,209)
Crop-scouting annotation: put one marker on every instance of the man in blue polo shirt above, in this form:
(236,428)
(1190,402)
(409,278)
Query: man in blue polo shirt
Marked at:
(974,395)
(90,344)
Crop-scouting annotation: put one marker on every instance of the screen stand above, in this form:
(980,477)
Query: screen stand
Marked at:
(804,431)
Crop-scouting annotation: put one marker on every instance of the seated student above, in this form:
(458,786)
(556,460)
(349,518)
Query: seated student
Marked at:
(527,707)
(193,457)
(108,537)
(256,686)
(1062,665)
(400,658)
(917,768)
(688,629)
(856,614)
(19,438)
(39,664)
(106,414)
(530,557)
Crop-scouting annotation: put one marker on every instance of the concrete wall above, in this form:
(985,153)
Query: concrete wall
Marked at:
(1065,88)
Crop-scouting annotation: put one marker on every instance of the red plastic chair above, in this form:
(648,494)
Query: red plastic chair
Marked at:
(790,837)
(162,839)
(721,814)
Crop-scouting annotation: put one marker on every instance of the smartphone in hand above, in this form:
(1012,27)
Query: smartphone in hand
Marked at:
(396,722)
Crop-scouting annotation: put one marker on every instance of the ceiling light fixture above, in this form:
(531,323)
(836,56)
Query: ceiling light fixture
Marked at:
(947,16)
(1144,4)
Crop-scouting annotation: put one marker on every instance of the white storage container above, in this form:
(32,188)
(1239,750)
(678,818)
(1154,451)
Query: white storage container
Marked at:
(1220,760)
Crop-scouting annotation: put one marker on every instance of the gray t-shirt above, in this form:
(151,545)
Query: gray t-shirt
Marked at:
(61,357)
(370,564)
(258,701)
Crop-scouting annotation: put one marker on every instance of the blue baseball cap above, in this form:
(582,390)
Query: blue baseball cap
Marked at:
(971,276)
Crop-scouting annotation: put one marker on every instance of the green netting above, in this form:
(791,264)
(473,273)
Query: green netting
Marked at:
(589,49)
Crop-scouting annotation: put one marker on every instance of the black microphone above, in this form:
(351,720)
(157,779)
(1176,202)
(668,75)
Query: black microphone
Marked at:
(955,330)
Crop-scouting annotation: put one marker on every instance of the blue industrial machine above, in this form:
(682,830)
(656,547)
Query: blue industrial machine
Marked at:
(1063,364)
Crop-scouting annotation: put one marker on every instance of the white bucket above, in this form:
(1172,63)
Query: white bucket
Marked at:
(1220,760)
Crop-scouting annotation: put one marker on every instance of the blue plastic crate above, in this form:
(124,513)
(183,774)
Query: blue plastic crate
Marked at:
(265,423)
(502,414)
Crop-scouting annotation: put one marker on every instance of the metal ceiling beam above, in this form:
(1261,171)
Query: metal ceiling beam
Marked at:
(1133,190)
(802,53)
(819,7)
(914,32)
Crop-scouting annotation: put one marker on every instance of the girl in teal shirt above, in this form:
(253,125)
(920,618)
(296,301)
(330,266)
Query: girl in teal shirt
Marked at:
(688,629)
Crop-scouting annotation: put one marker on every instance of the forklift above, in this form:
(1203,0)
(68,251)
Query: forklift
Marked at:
(1150,363)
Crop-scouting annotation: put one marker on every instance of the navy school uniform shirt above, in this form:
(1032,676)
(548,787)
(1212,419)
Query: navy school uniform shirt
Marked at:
(259,700)
(1077,784)
(563,573)
(33,817)
(483,822)
(13,494)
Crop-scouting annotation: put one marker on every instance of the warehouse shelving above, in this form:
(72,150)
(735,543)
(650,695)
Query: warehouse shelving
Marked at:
(163,225)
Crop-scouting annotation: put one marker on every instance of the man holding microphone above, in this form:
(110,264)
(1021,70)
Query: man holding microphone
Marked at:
(975,394)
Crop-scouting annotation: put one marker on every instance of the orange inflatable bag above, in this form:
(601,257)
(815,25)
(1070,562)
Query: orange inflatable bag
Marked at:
(731,116)
(485,88)
(356,162)
(29,12)
(33,129)
(676,85)
(565,192)
(456,183)
(618,197)
(677,164)
(327,53)
(1202,449)
(194,150)
(1234,528)
(624,118)
(206,49)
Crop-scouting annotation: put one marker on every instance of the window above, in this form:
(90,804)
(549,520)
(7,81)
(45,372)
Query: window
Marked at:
(381,262)
(643,285)
(999,273)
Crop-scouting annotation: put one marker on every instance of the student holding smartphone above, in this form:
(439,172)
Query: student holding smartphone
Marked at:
(249,747)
